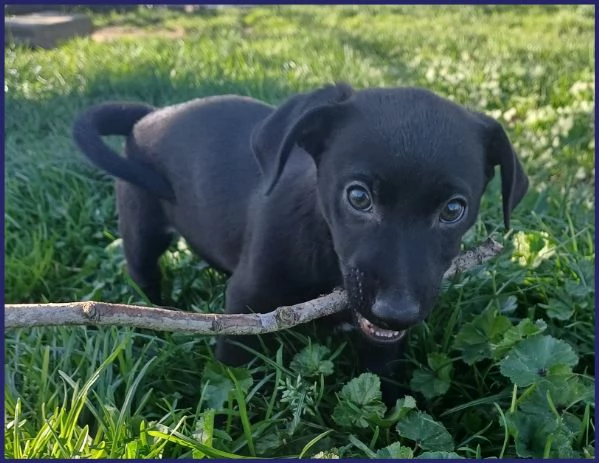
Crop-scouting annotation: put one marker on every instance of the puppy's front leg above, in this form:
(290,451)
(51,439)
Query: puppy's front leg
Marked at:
(244,295)
(384,361)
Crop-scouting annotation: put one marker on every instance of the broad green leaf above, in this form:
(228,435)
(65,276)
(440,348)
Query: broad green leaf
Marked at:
(558,309)
(435,381)
(219,384)
(395,451)
(363,390)
(441,364)
(405,403)
(563,392)
(537,357)
(475,338)
(526,328)
(532,435)
(310,361)
(401,408)
(578,290)
(360,402)
(425,382)
(429,434)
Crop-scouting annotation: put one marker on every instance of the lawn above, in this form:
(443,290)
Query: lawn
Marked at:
(504,367)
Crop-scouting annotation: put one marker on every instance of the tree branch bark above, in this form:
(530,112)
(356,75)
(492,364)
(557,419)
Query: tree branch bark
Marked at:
(101,313)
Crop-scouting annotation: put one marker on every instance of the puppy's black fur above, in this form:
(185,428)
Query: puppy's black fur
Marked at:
(334,187)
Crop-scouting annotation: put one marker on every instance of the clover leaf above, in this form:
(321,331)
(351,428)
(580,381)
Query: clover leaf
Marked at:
(475,338)
(558,309)
(563,391)
(310,361)
(532,435)
(425,431)
(436,380)
(537,357)
(360,402)
(525,329)
(394,451)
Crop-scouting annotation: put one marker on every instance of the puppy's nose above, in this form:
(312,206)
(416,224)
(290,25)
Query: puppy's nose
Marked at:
(400,313)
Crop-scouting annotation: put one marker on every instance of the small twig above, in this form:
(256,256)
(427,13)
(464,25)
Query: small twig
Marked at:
(101,313)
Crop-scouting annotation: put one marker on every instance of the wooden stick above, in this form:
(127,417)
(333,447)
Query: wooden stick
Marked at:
(101,313)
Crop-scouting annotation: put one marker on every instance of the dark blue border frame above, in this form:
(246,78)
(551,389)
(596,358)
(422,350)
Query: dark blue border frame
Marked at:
(183,2)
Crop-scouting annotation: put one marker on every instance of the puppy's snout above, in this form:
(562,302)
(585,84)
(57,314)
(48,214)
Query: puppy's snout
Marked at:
(399,314)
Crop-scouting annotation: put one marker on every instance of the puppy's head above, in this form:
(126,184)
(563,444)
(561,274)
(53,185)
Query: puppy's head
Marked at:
(400,176)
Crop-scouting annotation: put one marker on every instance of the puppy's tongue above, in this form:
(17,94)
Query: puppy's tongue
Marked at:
(377,333)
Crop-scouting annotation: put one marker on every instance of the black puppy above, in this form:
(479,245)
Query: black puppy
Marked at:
(371,190)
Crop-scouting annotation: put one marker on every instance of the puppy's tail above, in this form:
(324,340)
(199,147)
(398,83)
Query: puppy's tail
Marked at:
(115,118)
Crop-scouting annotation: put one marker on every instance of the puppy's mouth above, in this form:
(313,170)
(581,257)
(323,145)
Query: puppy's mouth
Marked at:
(361,291)
(376,333)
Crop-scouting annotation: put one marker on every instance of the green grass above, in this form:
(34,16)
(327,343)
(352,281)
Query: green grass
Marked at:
(112,392)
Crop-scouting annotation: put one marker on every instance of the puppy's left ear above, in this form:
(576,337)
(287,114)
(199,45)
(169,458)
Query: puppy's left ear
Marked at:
(499,151)
(305,120)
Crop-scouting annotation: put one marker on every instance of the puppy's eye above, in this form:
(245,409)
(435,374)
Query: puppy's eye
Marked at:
(453,210)
(359,198)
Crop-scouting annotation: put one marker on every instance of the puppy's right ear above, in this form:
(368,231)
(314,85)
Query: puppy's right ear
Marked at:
(499,152)
(305,120)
